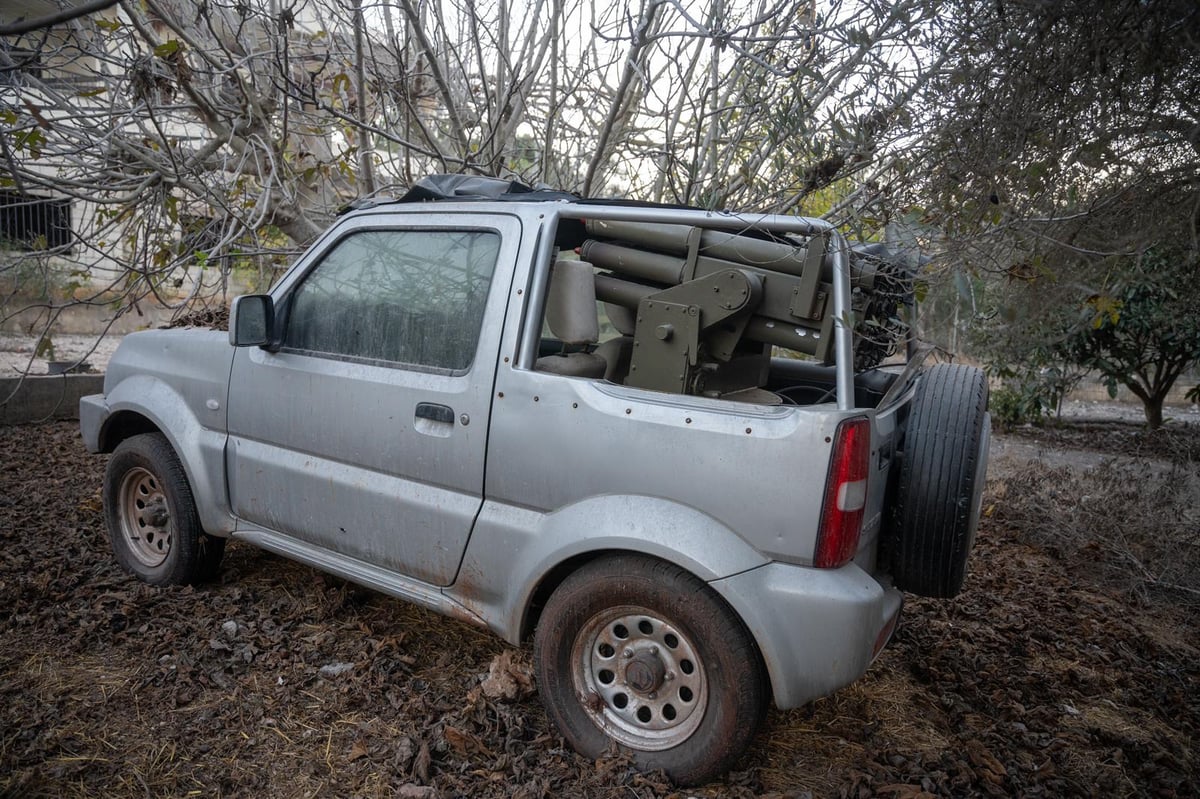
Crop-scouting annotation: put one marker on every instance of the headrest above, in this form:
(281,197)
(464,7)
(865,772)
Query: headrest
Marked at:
(571,303)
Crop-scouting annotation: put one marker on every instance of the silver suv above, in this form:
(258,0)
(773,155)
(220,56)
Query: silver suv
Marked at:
(656,441)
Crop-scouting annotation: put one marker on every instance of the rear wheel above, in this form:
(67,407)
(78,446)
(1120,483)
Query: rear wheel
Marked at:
(940,488)
(639,653)
(152,521)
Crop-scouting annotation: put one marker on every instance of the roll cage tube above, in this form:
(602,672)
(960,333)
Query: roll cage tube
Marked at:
(836,244)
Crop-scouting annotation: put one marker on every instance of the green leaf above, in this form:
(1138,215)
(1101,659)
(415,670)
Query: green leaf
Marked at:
(31,141)
(167,49)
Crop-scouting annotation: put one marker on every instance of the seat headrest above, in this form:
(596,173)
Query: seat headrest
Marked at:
(571,303)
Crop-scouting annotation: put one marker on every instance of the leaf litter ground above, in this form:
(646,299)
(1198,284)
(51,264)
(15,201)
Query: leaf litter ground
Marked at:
(1046,677)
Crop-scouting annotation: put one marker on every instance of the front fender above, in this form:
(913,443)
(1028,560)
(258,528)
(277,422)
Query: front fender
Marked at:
(201,449)
(512,550)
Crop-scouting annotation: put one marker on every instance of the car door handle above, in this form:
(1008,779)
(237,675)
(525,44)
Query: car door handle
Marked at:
(435,412)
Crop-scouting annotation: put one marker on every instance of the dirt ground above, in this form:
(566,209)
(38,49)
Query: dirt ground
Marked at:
(1046,677)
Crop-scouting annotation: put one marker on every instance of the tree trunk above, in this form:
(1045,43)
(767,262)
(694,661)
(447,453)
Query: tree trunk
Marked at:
(1154,411)
(366,165)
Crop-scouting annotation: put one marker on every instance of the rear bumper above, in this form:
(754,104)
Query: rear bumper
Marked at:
(818,629)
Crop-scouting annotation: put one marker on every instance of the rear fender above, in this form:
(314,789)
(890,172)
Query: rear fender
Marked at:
(513,550)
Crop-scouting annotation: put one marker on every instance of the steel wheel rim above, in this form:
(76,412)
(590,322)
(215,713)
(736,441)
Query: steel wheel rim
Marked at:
(146,523)
(646,688)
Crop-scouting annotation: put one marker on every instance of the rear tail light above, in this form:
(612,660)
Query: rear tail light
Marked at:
(845,494)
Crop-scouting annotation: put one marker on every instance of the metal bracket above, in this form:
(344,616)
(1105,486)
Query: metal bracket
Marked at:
(672,323)
(804,296)
(693,253)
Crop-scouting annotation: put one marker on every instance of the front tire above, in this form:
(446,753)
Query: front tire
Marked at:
(152,520)
(639,653)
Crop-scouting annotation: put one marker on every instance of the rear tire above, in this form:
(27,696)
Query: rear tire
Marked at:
(152,520)
(943,468)
(641,654)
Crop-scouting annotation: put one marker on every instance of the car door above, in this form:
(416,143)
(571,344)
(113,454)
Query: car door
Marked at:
(365,432)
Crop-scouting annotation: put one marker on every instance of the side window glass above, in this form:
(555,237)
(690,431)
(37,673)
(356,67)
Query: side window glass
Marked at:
(403,296)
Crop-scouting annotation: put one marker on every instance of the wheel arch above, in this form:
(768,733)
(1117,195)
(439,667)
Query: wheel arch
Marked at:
(516,557)
(144,404)
(125,424)
(552,579)
(558,571)
(561,571)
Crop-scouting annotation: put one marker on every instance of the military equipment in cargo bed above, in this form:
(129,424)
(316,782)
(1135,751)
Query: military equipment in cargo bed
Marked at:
(710,304)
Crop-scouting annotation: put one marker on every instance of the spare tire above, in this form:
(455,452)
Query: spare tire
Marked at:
(943,466)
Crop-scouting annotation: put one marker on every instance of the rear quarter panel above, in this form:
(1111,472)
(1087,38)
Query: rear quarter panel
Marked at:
(756,470)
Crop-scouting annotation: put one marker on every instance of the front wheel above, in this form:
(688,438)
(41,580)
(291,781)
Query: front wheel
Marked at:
(642,654)
(151,515)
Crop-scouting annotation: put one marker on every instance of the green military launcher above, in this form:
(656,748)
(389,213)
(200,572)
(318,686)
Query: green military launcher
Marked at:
(710,304)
